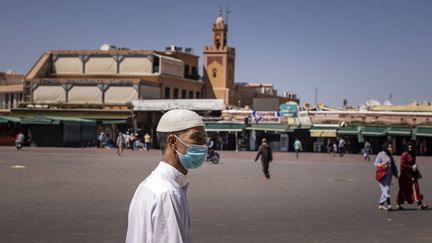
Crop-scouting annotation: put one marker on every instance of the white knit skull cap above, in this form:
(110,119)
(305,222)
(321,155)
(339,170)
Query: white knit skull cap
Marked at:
(178,120)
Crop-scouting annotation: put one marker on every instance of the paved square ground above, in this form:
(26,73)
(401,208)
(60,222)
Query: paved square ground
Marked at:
(83,195)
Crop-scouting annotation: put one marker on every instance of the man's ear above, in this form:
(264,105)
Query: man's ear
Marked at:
(171,141)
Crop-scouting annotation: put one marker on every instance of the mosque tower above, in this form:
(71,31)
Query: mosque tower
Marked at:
(219,64)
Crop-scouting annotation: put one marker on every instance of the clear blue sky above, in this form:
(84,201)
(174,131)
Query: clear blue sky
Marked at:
(347,49)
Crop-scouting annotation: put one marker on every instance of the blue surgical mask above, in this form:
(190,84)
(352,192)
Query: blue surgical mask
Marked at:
(194,156)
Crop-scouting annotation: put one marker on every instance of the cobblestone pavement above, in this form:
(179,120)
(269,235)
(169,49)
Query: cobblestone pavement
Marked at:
(83,195)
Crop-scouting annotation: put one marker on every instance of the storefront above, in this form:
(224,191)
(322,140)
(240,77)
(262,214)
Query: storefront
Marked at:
(423,138)
(60,131)
(399,136)
(9,127)
(352,136)
(228,136)
(322,135)
(375,135)
(276,135)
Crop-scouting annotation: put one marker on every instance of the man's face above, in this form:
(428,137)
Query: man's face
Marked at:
(195,135)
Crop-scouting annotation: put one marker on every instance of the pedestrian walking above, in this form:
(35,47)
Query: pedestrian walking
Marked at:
(297,147)
(19,140)
(147,140)
(265,152)
(409,189)
(385,162)
(120,143)
(341,147)
(367,149)
(211,147)
(329,147)
(159,209)
(335,149)
(101,140)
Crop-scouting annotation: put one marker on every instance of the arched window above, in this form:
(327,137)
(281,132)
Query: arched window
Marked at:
(218,44)
(214,71)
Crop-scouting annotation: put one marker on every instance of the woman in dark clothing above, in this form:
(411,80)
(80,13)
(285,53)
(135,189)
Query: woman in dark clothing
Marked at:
(409,190)
(266,157)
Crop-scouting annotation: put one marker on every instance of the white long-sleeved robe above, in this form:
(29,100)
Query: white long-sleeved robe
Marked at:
(159,210)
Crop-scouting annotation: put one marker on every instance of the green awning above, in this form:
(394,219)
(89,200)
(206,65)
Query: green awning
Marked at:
(116,122)
(349,130)
(270,127)
(423,131)
(399,131)
(376,131)
(11,119)
(72,119)
(224,127)
(39,120)
(54,120)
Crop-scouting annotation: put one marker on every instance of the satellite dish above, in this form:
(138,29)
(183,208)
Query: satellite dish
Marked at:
(371,102)
(387,103)
(362,107)
(105,47)
(423,102)
(413,102)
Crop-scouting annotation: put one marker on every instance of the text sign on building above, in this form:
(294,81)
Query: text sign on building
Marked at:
(266,116)
(289,109)
(323,133)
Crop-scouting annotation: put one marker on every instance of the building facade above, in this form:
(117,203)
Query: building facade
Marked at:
(111,77)
(11,91)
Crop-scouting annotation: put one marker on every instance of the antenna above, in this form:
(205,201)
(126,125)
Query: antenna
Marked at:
(227,12)
(316,96)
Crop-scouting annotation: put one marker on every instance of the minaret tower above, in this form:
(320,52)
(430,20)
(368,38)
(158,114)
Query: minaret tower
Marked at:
(219,63)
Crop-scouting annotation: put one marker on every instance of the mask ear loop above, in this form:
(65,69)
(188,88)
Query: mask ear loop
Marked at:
(175,148)
(187,146)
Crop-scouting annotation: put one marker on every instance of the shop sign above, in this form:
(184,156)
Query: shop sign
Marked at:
(323,133)
(266,116)
(289,110)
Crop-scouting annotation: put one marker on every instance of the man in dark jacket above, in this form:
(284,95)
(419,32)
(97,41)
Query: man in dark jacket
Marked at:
(266,157)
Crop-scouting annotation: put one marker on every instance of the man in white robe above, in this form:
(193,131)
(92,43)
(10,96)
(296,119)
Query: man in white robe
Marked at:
(159,210)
